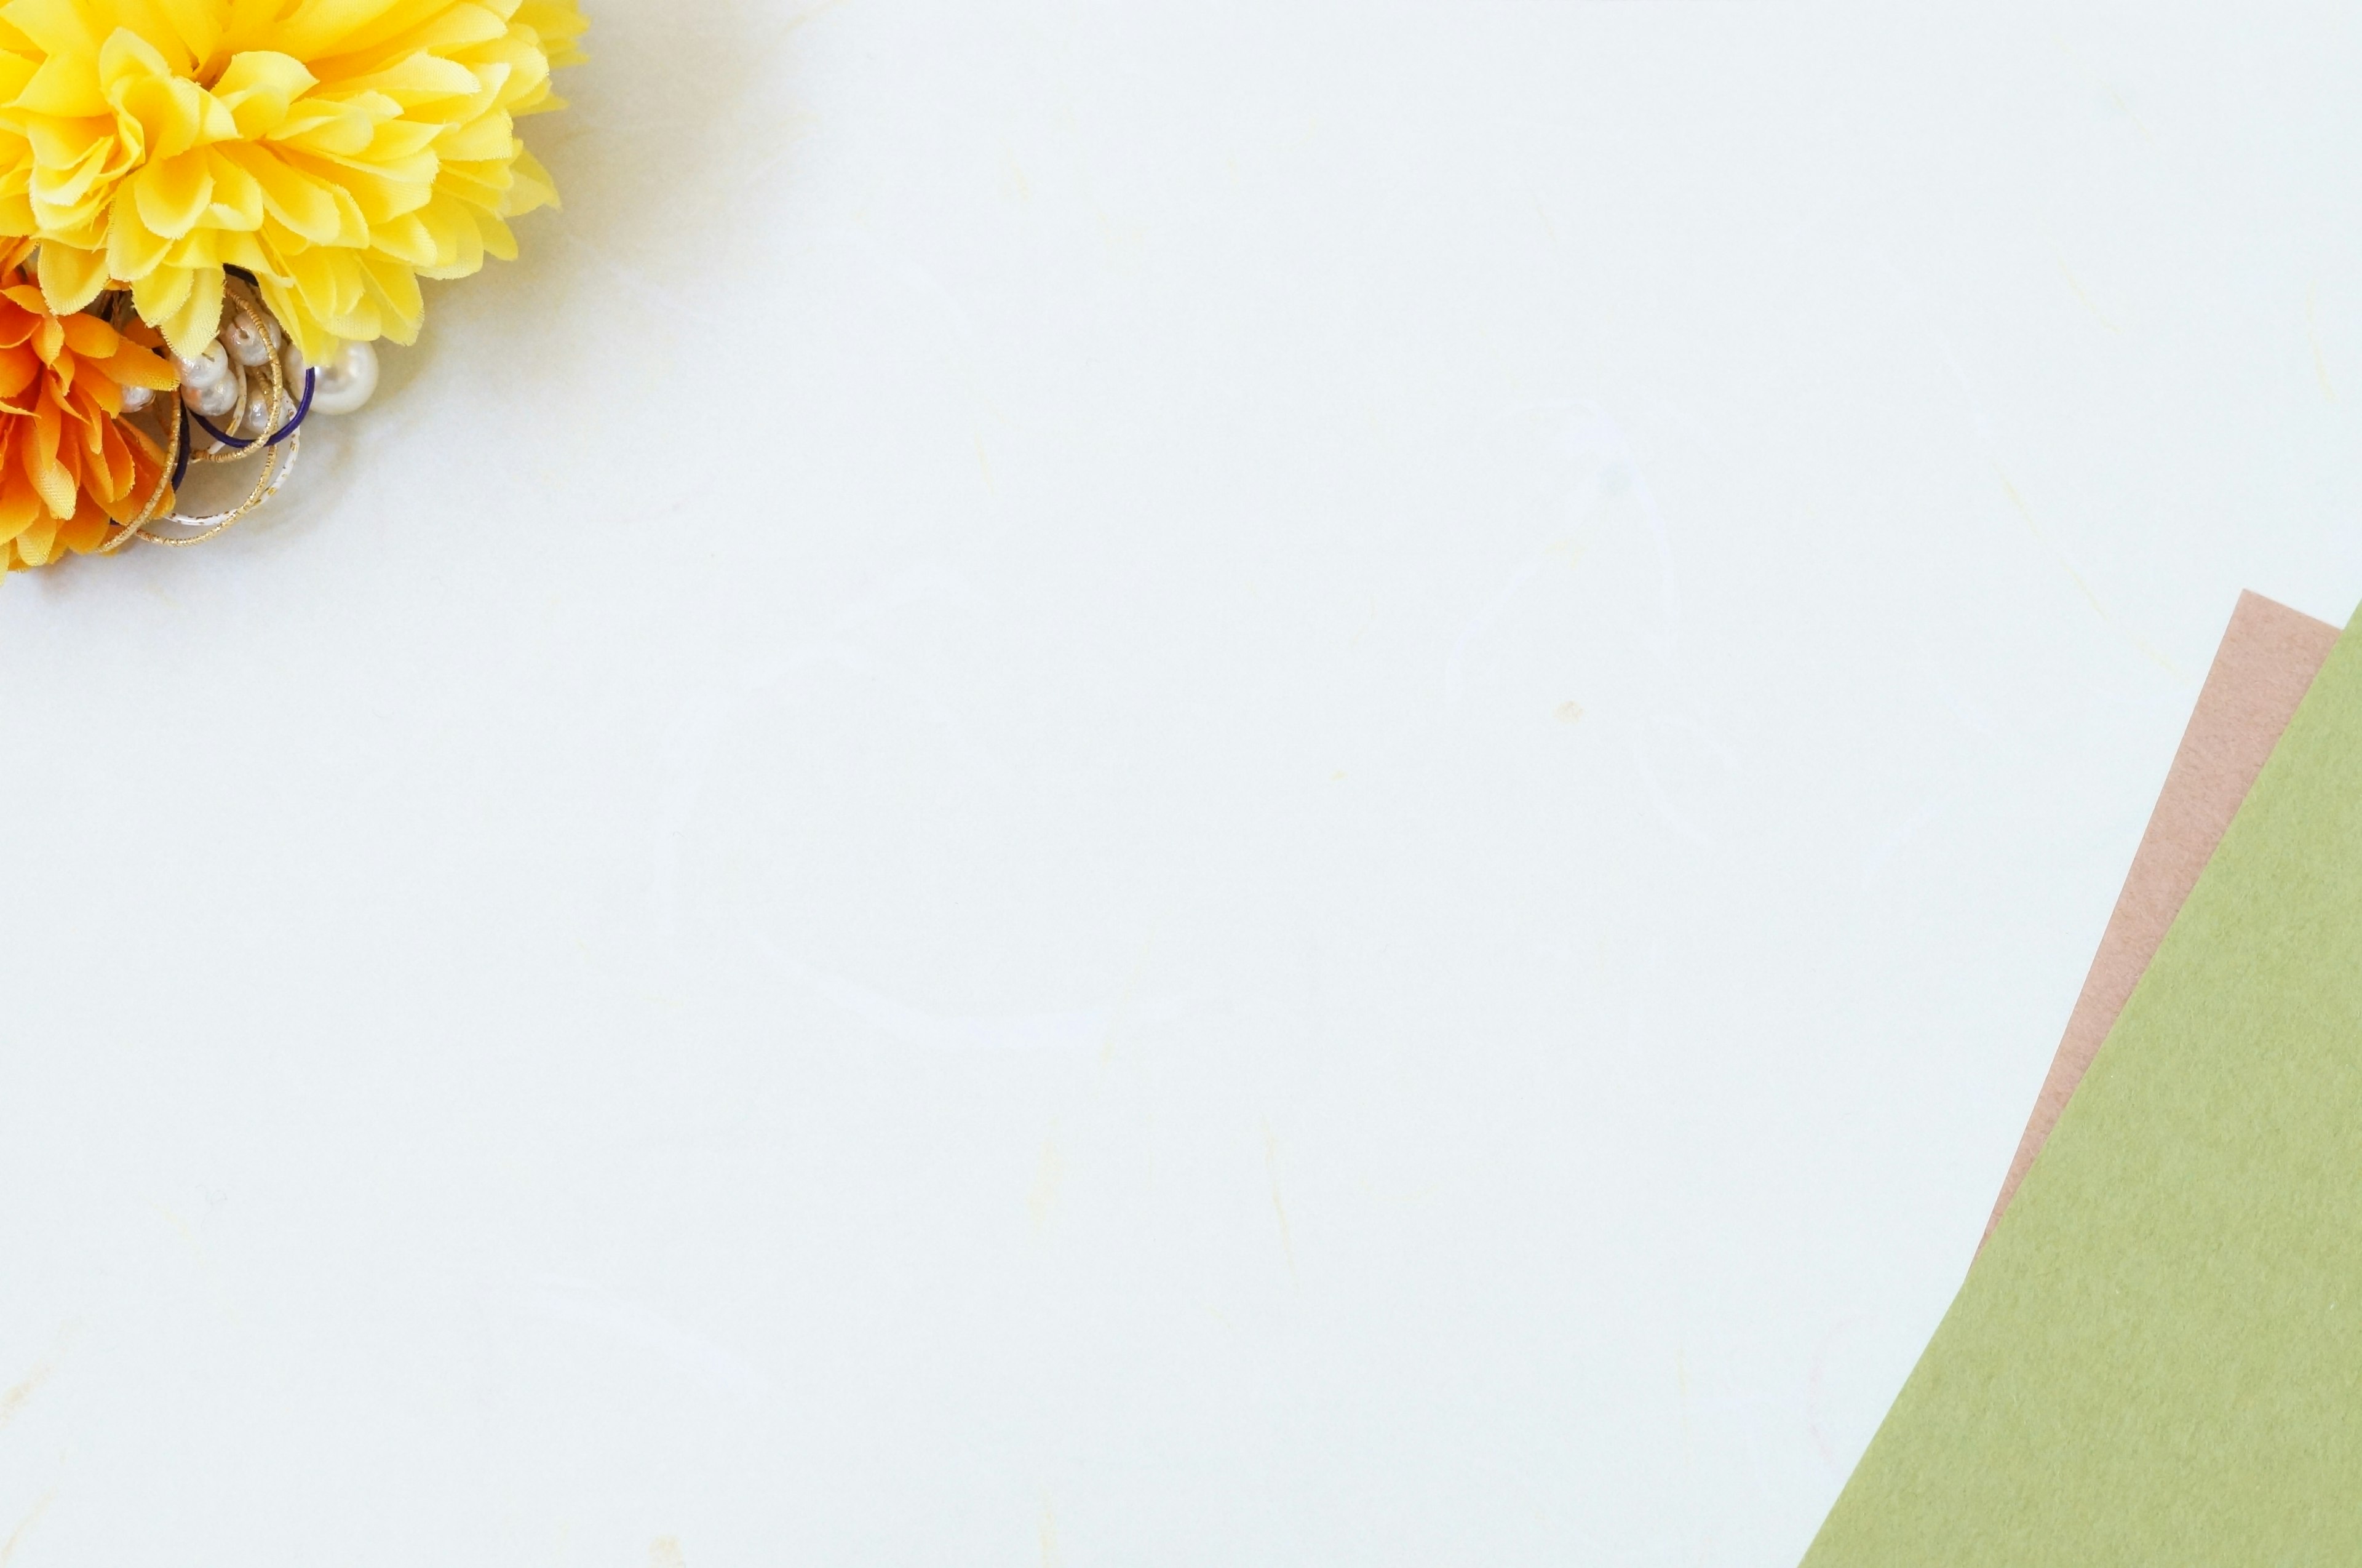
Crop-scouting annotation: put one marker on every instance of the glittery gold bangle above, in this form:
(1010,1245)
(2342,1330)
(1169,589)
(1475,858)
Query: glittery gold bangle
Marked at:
(168,457)
(214,524)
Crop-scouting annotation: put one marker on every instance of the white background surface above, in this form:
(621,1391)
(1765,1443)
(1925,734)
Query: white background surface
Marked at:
(1136,784)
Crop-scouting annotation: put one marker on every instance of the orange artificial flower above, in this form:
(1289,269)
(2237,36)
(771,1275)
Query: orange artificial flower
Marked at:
(72,466)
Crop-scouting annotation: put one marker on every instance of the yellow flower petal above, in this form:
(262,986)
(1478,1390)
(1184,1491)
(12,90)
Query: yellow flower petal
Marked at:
(237,204)
(172,195)
(71,278)
(133,250)
(161,294)
(191,328)
(258,88)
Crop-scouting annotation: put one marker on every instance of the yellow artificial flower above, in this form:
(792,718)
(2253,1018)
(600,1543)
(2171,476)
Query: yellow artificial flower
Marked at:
(339,151)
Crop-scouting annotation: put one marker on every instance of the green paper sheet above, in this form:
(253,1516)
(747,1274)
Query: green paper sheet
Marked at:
(2156,1360)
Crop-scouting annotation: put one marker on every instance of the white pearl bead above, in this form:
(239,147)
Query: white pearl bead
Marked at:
(247,344)
(206,370)
(255,418)
(215,399)
(348,380)
(136,398)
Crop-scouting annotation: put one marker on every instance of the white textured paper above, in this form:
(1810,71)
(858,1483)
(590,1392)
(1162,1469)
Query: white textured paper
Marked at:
(1124,784)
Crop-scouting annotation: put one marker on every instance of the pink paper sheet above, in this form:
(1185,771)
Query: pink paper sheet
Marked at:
(2266,663)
